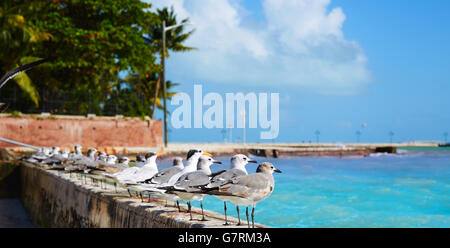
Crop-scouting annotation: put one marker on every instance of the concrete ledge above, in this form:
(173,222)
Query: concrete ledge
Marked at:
(58,199)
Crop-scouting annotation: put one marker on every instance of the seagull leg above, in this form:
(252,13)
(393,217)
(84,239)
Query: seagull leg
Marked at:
(253,216)
(189,209)
(203,215)
(246,213)
(142,199)
(149,195)
(239,217)
(178,205)
(115,186)
(225,209)
(129,192)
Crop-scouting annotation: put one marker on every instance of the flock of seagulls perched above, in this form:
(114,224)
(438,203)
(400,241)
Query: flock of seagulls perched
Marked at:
(192,181)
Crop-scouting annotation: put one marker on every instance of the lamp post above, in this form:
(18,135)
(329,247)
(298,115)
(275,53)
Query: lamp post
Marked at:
(163,72)
(243,130)
(358,134)
(317,133)
(230,127)
(391,134)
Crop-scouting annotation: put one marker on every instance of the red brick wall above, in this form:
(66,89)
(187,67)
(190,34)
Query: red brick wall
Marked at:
(88,132)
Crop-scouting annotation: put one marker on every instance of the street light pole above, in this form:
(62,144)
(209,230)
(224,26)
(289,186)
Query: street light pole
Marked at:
(391,134)
(163,79)
(243,130)
(163,72)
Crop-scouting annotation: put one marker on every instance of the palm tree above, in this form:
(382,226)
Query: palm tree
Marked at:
(146,85)
(174,38)
(16,39)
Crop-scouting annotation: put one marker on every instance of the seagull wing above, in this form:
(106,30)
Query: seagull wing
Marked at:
(255,186)
(190,182)
(164,175)
(225,176)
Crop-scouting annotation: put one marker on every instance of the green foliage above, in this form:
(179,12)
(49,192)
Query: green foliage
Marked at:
(16,113)
(174,37)
(93,43)
(16,39)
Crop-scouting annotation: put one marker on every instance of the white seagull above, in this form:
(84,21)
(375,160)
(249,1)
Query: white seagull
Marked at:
(191,165)
(249,189)
(162,178)
(188,186)
(237,168)
(135,174)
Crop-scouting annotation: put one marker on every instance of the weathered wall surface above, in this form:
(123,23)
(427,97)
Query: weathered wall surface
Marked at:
(55,199)
(89,132)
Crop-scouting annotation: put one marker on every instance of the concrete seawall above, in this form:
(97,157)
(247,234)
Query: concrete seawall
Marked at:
(56,199)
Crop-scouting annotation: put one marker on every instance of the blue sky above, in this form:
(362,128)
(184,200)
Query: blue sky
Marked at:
(385,63)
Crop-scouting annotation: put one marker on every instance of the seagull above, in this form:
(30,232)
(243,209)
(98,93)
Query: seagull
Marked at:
(111,159)
(188,185)
(161,178)
(101,157)
(237,168)
(249,189)
(79,162)
(164,175)
(192,161)
(38,156)
(77,152)
(123,162)
(140,161)
(135,174)
(54,151)
(191,165)
(58,158)
(111,167)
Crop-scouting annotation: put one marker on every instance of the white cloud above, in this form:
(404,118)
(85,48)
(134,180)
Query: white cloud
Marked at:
(300,46)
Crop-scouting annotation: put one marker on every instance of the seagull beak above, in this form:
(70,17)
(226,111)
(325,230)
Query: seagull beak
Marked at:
(158,154)
(217,162)
(132,160)
(277,170)
(252,161)
(207,154)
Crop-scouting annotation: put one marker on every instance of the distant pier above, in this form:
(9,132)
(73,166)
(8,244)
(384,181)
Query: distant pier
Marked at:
(274,150)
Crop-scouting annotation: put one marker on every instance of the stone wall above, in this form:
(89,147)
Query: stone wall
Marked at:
(58,199)
(66,131)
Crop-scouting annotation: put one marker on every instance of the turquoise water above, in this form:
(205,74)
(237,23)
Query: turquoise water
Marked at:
(411,189)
